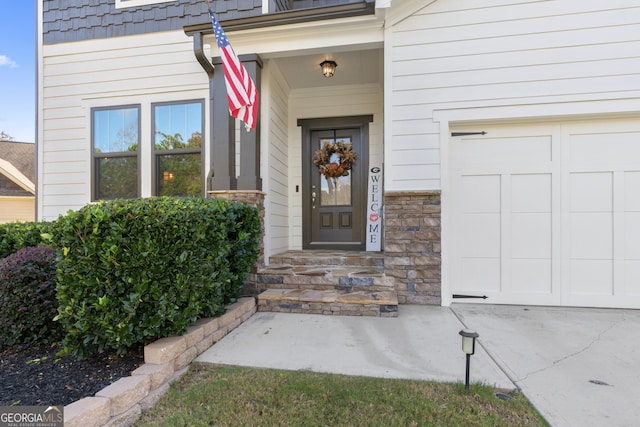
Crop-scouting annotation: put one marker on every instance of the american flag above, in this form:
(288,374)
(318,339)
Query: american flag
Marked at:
(241,90)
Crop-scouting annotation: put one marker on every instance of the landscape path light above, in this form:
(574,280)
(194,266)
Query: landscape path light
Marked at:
(469,348)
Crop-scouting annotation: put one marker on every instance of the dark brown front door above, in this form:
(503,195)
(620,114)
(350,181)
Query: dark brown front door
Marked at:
(334,214)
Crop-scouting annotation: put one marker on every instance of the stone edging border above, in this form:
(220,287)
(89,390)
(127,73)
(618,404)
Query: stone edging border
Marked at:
(165,361)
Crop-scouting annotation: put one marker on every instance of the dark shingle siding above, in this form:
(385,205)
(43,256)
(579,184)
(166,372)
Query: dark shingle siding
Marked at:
(75,20)
(244,5)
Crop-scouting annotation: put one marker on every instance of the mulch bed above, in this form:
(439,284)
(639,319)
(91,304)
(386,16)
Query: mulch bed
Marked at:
(35,375)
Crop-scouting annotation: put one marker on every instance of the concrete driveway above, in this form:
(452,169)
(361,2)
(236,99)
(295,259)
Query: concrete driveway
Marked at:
(578,366)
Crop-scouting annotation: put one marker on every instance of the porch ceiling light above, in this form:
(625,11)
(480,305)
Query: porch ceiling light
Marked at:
(328,67)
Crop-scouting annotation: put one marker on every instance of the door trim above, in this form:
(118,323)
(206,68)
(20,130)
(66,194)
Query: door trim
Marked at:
(327,123)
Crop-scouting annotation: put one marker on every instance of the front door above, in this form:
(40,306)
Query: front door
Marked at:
(334,204)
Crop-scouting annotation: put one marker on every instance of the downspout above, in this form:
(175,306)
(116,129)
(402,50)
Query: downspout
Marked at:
(198,50)
(37,140)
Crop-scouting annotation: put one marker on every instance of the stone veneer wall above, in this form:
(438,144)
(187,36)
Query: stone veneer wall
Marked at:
(254,198)
(412,245)
(166,360)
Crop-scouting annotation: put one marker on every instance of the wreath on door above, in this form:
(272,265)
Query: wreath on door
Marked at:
(330,166)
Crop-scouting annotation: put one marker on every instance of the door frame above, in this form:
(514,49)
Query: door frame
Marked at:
(328,123)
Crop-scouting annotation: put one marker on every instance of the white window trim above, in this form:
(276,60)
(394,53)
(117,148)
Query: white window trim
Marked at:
(120,4)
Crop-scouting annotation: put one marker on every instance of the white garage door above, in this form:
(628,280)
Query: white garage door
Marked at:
(547,214)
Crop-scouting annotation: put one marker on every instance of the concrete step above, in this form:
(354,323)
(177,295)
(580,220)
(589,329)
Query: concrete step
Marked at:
(327,282)
(331,302)
(324,277)
(328,258)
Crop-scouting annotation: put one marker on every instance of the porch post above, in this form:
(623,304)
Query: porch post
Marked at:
(249,178)
(223,138)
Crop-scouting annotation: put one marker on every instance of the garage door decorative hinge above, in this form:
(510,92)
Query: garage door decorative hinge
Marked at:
(467,133)
(470,296)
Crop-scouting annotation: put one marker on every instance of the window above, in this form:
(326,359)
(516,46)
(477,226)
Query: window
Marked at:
(115,141)
(177,136)
(132,3)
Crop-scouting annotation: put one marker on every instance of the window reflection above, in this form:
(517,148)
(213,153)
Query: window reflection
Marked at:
(178,148)
(115,140)
(335,191)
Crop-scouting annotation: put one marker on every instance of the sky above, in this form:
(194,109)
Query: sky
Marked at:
(18,69)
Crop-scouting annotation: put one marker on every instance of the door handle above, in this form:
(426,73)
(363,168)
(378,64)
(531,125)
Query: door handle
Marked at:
(313,200)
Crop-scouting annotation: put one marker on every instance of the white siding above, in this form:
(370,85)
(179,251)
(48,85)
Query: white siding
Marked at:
(126,70)
(275,152)
(328,102)
(463,54)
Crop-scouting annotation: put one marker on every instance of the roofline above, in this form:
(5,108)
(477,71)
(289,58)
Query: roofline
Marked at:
(16,176)
(287,17)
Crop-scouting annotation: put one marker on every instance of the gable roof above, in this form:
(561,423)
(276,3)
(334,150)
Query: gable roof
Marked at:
(17,168)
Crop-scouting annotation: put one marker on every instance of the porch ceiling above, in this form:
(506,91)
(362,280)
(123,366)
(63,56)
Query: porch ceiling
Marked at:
(354,67)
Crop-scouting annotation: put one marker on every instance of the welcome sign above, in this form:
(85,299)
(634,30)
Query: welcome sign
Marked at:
(374,209)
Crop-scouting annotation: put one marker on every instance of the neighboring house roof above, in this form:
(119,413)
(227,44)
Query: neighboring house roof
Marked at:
(17,169)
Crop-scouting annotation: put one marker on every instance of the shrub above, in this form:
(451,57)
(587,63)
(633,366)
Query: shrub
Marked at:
(28,297)
(18,235)
(136,270)
(244,233)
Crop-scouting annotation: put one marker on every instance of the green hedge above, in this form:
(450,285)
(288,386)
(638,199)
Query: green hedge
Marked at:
(244,230)
(132,271)
(17,235)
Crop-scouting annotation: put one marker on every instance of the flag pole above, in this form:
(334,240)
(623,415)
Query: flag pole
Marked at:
(242,94)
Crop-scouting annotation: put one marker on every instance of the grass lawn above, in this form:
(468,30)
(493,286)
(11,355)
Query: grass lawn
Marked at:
(231,396)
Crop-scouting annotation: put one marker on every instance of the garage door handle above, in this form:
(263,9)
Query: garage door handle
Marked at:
(470,296)
(467,133)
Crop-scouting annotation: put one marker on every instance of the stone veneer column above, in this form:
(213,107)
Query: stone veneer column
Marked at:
(254,198)
(412,245)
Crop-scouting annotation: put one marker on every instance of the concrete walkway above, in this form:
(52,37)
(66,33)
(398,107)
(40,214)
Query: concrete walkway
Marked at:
(421,343)
(579,367)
